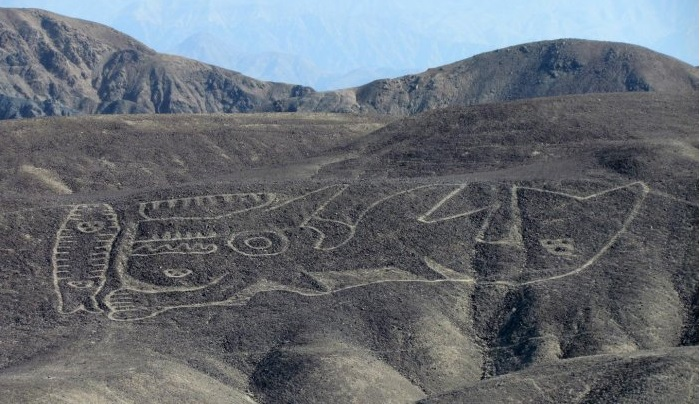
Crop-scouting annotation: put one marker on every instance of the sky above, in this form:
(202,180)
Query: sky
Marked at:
(330,44)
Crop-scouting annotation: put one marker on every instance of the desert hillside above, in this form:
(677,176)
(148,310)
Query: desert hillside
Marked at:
(540,250)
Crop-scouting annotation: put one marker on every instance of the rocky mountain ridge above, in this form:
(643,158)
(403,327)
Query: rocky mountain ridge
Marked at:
(55,65)
(540,69)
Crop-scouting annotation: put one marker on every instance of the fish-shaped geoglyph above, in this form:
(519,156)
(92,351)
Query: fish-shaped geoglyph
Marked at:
(81,256)
(224,249)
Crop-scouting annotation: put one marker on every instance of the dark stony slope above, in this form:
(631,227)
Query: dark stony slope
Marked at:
(531,251)
(54,65)
(661,376)
(639,136)
(81,155)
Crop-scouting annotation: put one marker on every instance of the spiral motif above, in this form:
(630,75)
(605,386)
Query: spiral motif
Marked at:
(259,243)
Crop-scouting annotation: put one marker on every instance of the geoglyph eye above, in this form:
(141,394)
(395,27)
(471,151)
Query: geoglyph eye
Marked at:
(559,246)
(90,226)
(258,243)
(177,272)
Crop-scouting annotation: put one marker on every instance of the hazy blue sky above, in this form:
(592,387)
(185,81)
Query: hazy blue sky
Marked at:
(337,43)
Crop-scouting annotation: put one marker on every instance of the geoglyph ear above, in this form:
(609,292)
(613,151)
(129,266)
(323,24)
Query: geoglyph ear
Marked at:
(427,204)
(450,202)
(299,210)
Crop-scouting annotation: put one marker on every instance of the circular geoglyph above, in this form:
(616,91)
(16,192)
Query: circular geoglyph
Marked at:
(259,243)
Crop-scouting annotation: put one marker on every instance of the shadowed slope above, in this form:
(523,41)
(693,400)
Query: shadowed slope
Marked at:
(112,374)
(665,376)
(55,65)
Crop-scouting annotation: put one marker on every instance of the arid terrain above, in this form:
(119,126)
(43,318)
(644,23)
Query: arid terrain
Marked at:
(55,65)
(534,251)
(530,240)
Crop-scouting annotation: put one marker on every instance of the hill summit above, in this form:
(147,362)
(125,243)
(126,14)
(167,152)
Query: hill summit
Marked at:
(55,65)
(540,69)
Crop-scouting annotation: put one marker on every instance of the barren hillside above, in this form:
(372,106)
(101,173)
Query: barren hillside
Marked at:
(532,251)
(55,65)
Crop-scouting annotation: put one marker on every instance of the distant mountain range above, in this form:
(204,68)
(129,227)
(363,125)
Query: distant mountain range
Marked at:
(323,45)
(55,65)
(269,65)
